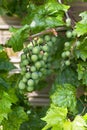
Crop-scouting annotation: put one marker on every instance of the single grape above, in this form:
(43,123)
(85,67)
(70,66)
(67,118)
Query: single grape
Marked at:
(67,63)
(67,53)
(33,68)
(34,75)
(50,44)
(69,34)
(24,79)
(38,65)
(30,82)
(34,58)
(47,38)
(77,43)
(45,48)
(40,41)
(68,22)
(53,39)
(36,50)
(25,62)
(21,85)
(63,55)
(67,44)
(28,75)
(30,88)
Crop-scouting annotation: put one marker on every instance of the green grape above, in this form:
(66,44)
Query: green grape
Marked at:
(77,43)
(30,88)
(38,65)
(23,56)
(24,79)
(23,69)
(34,75)
(42,63)
(30,82)
(50,44)
(67,44)
(74,33)
(45,58)
(67,53)
(33,68)
(68,22)
(43,70)
(45,48)
(47,38)
(53,39)
(40,74)
(67,63)
(25,62)
(34,58)
(40,56)
(28,75)
(21,85)
(63,55)
(36,50)
(69,34)
(40,41)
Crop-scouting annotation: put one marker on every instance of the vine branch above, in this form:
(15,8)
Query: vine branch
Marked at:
(52,30)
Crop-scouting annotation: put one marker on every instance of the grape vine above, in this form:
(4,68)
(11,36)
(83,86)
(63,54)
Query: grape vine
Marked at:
(51,45)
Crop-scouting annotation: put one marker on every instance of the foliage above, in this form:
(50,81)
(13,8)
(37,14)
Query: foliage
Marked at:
(65,96)
(50,46)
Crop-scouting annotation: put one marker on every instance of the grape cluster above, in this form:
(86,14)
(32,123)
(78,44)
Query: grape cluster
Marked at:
(70,46)
(36,61)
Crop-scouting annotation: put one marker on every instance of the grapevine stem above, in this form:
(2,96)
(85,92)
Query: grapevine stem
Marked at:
(52,30)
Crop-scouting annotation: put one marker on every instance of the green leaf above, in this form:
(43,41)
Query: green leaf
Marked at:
(3,83)
(6,66)
(67,75)
(81,27)
(5,105)
(65,96)
(82,72)
(1,48)
(81,51)
(46,16)
(67,125)
(55,117)
(79,123)
(85,117)
(15,118)
(18,38)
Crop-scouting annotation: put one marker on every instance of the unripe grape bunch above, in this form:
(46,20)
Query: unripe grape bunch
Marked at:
(36,61)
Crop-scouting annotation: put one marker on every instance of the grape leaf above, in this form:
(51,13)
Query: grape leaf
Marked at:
(5,105)
(67,125)
(18,38)
(65,96)
(46,16)
(79,123)
(67,75)
(6,66)
(82,72)
(3,83)
(81,51)
(81,26)
(55,117)
(15,118)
